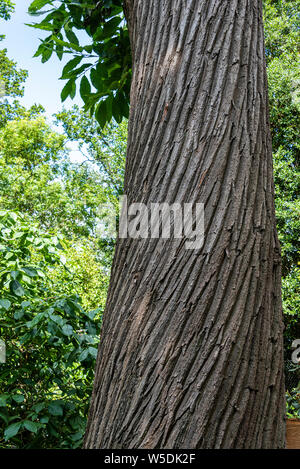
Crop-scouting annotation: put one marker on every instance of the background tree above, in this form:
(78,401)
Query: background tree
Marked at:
(106,148)
(282,36)
(104,81)
(53,280)
(6,8)
(282,22)
(50,341)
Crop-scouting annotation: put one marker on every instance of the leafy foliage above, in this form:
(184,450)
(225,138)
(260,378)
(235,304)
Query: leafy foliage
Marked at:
(37,177)
(11,76)
(86,273)
(11,79)
(52,289)
(102,68)
(11,85)
(291,307)
(105,148)
(282,33)
(51,300)
(293,403)
(51,342)
(6,8)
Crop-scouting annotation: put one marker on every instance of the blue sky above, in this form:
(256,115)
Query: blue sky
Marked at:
(43,85)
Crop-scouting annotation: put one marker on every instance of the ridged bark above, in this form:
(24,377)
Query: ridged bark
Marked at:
(191,352)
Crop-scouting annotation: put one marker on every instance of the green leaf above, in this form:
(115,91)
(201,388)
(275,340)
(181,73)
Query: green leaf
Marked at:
(122,104)
(85,88)
(68,45)
(44,27)
(108,103)
(38,407)
(44,419)
(67,330)
(77,436)
(83,355)
(4,417)
(18,314)
(15,274)
(39,49)
(37,5)
(3,399)
(12,430)
(30,271)
(67,90)
(96,78)
(18,398)
(93,352)
(16,288)
(110,27)
(59,52)
(5,304)
(77,71)
(31,426)
(46,54)
(57,319)
(55,408)
(71,66)
(116,111)
(101,114)
(35,320)
(71,36)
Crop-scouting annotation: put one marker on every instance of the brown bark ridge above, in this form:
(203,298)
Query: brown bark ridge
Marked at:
(191,352)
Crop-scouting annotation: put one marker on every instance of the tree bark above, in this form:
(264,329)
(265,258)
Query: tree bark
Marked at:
(191,352)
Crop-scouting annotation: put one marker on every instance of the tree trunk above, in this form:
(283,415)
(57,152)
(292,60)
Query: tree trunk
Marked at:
(191,352)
